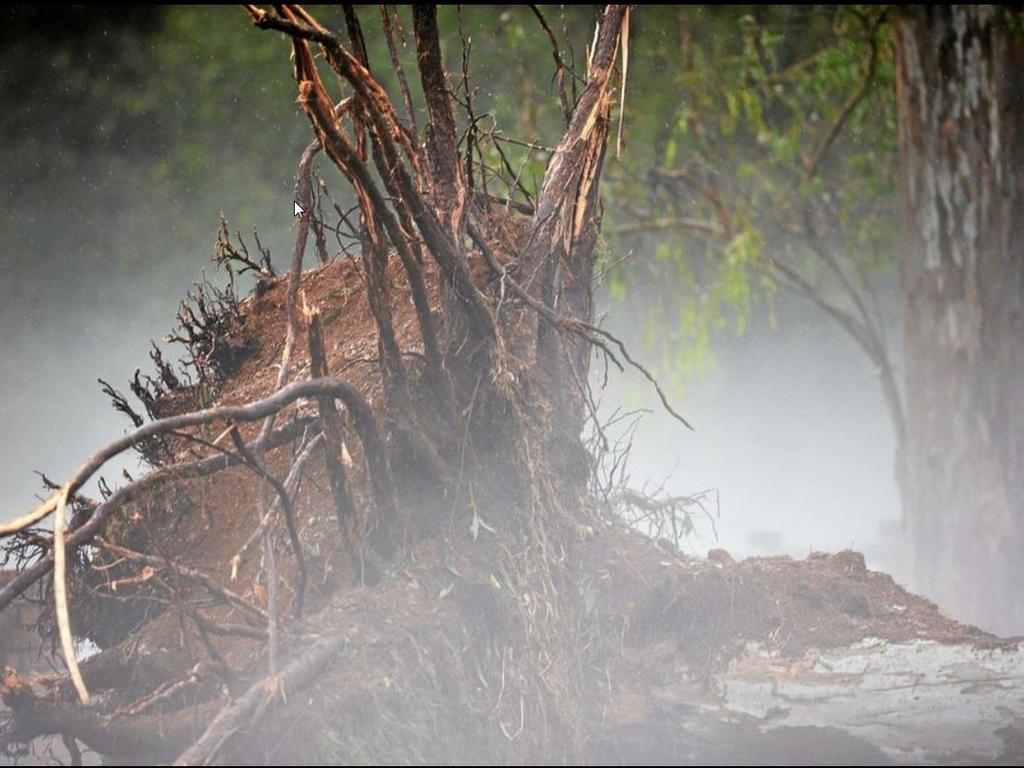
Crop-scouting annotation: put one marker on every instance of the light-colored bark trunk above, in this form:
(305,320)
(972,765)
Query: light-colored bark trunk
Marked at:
(962,464)
(872,702)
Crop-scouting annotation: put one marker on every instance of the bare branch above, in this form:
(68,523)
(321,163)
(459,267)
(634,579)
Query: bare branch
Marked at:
(334,444)
(250,708)
(449,185)
(396,65)
(560,66)
(851,103)
(60,597)
(304,196)
(253,462)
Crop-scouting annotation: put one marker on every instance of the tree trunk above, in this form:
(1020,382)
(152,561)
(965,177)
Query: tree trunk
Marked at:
(961,107)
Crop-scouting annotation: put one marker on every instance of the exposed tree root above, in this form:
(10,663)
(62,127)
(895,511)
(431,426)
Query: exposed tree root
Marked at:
(149,483)
(247,711)
(141,737)
(474,416)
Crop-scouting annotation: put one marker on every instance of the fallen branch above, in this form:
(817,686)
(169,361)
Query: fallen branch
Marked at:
(248,710)
(364,420)
(129,738)
(26,521)
(60,597)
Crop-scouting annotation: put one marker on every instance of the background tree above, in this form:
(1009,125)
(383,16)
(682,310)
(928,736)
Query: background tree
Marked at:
(789,178)
(775,169)
(961,111)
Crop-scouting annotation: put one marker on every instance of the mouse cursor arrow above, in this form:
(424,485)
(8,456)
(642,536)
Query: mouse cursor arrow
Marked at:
(299,210)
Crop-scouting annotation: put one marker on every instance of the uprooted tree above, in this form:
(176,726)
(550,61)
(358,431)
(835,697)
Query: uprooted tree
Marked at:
(963,274)
(488,403)
(371,510)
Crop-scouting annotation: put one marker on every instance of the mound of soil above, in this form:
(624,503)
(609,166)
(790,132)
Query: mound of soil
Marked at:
(823,601)
(427,667)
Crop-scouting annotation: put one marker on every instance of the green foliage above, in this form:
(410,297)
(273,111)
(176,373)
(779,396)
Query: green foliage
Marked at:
(756,93)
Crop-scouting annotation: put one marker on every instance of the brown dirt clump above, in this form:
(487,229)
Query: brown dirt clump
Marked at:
(709,607)
(427,649)
(207,520)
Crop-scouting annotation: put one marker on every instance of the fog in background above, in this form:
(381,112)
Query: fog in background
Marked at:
(791,431)
(55,344)
(115,172)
